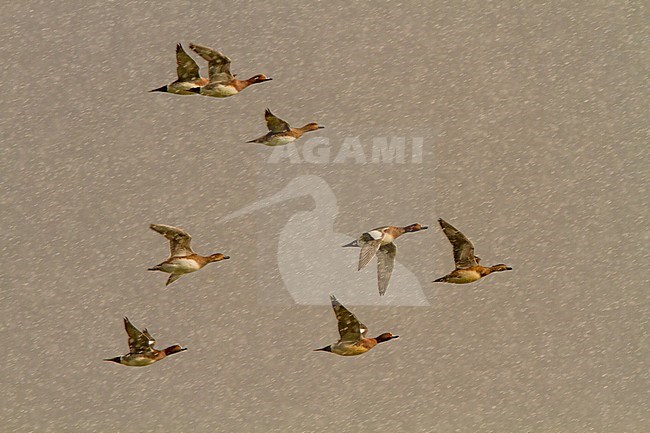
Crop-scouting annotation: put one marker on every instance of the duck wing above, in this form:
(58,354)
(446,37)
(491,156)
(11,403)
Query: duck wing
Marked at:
(274,123)
(463,248)
(369,243)
(172,278)
(218,64)
(350,329)
(385,263)
(139,341)
(179,239)
(186,67)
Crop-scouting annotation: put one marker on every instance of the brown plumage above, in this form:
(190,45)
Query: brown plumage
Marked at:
(467,269)
(379,242)
(188,75)
(280,132)
(182,259)
(222,83)
(352,341)
(141,350)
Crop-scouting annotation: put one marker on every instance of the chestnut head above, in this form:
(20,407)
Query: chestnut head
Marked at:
(385,337)
(218,257)
(174,349)
(259,78)
(415,228)
(312,127)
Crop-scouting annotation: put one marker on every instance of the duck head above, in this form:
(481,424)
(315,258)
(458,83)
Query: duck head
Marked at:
(500,267)
(217,257)
(386,336)
(313,126)
(259,78)
(174,349)
(414,228)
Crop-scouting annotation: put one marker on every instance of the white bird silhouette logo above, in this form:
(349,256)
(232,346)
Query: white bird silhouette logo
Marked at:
(312,263)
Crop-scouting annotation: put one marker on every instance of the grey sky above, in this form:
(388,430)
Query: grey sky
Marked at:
(535,125)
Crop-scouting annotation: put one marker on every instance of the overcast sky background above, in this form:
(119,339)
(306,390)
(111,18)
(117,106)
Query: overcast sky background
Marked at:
(534,119)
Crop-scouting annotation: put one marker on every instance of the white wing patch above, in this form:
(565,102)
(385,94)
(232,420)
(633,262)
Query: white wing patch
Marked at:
(376,234)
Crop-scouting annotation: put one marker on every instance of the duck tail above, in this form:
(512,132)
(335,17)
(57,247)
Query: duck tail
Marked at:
(159,89)
(324,349)
(155,268)
(441,280)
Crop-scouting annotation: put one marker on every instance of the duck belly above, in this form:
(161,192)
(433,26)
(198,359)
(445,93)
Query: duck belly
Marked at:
(181,266)
(219,91)
(348,349)
(137,360)
(280,140)
(181,88)
(464,276)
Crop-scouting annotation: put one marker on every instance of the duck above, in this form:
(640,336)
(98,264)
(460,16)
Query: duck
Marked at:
(280,133)
(468,268)
(352,333)
(379,242)
(222,83)
(188,75)
(141,350)
(182,259)
(308,240)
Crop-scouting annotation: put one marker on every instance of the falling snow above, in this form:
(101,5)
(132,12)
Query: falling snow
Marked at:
(533,121)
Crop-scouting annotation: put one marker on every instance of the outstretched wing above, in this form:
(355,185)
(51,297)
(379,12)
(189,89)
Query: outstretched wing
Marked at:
(349,327)
(463,248)
(369,243)
(179,239)
(186,67)
(139,341)
(218,64)
(385,263)
(172,278)
(275,124)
